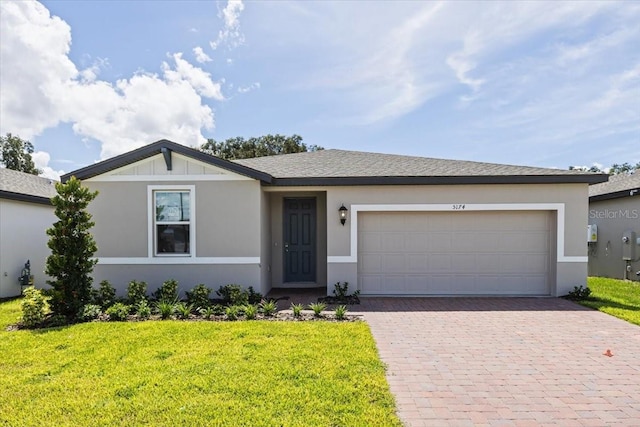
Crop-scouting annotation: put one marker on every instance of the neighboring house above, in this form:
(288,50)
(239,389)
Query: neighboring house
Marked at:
(614,208)
(25,214)
(413,226)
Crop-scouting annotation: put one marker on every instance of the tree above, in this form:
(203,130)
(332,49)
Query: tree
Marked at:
(72,247)
(15,154)
(615,169)
(623,168)
(267,145)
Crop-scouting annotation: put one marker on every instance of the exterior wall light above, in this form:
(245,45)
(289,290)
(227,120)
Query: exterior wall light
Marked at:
(343,214)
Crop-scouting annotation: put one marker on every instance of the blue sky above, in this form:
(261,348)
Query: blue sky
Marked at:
(534,83)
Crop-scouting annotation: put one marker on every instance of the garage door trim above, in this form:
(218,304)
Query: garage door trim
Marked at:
(559,208)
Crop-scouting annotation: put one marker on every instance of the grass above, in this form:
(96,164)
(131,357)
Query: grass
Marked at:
(618,298)
(168,373)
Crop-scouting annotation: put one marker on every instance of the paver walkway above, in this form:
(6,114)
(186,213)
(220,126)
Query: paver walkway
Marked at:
(506,361)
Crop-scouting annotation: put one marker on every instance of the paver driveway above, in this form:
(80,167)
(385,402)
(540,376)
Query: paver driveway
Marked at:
(506,361)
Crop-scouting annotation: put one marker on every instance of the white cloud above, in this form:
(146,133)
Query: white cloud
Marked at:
(199,79)
(43,88)
(249,88)
(230,35)
(201,57)
(41,160)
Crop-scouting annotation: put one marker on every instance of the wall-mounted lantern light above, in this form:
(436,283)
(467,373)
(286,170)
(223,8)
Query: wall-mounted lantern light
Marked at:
(343,214)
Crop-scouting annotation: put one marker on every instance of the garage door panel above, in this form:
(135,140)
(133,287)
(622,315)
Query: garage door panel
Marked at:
(439,241)
(371,263)
(442,253)
(415,262)
(394,263)
(416,242)
(372,241)
(440,262)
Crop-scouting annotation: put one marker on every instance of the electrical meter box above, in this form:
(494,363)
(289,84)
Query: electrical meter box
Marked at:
(592,233)
(629,246)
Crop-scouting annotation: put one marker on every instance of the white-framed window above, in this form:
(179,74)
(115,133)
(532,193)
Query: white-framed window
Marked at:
(172,222)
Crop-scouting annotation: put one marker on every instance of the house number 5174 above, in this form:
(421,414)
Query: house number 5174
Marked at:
(458,207)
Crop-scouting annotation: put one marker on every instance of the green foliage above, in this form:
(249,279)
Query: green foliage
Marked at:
(207,312)
(136,292)
(341,312)
(15,154)
(250,311)
(233,295)
(218,309)
(90,312)
(34,307)
(143,309)
(266,145)
(232,312)
(72,247)
(253,297)
(615,168)
(168,291)
(619,298)
(268,307)
(193,374)
(165,309)
(579,293)
(105,295)
(183,310)
(341,290)
(118,312)
(318,308)
(199,296)
(297,309)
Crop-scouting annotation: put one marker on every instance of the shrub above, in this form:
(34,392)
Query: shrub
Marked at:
(341,290)
(199,296)
(183,310)
(250,311)
(232,312)
(118,311)
(71,261)
(34,307)
(318,308)
(207,312)
(217,309)
(136,292)
(168,291)
(579,293)
(90,312)
(297,309)
(268,307)
(341,312)
(165,309)
(233,295)
(253,296)
(143,309)
(105,295)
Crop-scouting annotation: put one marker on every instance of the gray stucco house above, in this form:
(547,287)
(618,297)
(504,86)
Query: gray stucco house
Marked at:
(614,210)
(410,225)
(25,214)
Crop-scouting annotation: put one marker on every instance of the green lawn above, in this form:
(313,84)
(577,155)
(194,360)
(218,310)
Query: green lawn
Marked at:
(172,373)
(618,298)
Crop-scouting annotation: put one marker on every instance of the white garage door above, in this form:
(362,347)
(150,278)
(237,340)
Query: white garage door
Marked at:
(454,253)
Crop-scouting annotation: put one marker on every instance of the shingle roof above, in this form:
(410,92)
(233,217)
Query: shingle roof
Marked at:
(340,164)
(620,185)
(341,167)
(23,186)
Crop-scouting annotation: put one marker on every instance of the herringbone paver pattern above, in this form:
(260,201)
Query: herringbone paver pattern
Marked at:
(506,361)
